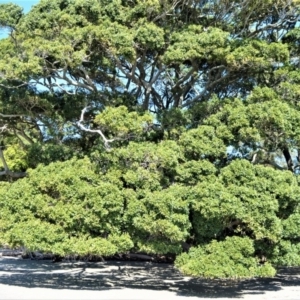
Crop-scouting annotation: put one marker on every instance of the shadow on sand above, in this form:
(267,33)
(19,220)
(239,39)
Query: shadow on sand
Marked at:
(134,275)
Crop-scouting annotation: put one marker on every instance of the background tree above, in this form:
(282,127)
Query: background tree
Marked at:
(155,127)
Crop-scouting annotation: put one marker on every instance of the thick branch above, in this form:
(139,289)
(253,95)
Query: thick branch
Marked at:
(20,132)
(13,87)
(13,174)
(288,158)
(10,116)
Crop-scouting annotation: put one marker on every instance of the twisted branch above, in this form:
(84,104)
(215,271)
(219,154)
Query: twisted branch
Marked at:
(82,127)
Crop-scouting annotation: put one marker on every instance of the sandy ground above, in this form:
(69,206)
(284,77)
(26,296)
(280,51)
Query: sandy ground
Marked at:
(31,279)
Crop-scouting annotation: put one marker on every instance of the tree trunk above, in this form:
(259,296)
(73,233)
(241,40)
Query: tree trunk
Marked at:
(288,158)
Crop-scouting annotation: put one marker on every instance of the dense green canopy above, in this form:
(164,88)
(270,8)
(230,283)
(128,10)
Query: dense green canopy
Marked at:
(154,126)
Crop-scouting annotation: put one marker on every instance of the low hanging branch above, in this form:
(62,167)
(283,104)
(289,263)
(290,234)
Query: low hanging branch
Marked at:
(82,127)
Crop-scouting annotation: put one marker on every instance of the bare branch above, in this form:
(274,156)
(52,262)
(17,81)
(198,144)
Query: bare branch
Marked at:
(82,127)
(10,116)
(68,79)
(13,87)
(184,78)
(254,158)
(63,89)
(22,133)
(167,12)
(3,128)
(87,78)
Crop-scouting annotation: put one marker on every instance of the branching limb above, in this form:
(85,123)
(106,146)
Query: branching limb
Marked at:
(63,75)
(82,127)
(168,11)
(20,133)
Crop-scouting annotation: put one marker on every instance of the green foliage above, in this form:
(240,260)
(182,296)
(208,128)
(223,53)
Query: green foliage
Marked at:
(286,253)
(243,200)
(264,121)
(255,53)
(148,35)
(48,153)
(202,142)
(10,15)
(192,172)
(119,122)
(231,258)
(160,220)
(194,42)
(291,226)
(173,122)
(16,158)
(69,200)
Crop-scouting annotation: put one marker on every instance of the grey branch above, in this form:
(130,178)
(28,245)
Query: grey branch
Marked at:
(10,116)
(3,128)
(82,127)
(254,158)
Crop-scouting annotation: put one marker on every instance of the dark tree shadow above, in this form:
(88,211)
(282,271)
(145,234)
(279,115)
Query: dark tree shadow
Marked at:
(134,275)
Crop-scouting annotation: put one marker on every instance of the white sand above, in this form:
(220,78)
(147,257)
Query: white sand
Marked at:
(28,279)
